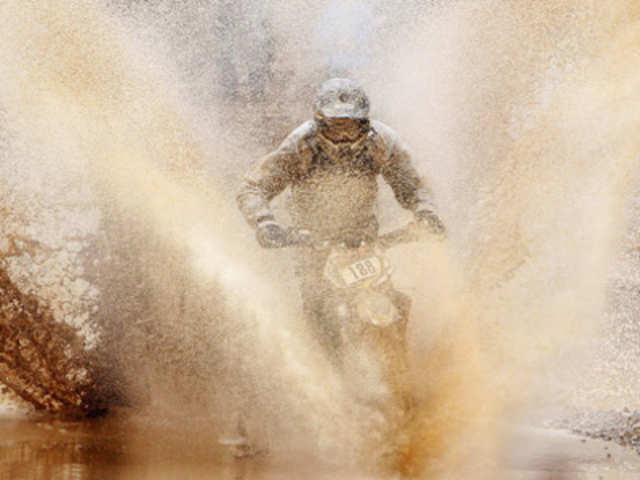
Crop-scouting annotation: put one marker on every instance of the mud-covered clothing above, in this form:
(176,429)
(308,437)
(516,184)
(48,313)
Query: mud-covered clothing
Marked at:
(333,192)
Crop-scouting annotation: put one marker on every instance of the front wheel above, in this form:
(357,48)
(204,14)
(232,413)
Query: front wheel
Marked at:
(376,372)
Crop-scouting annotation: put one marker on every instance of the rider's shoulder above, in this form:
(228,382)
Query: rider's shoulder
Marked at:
(296,140)
(384,135)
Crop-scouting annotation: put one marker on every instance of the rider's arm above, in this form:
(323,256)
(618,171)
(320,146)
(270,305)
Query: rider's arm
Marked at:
(266,179)
(407,185)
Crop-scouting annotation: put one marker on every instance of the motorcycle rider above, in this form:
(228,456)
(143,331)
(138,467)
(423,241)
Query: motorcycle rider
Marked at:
(331,164)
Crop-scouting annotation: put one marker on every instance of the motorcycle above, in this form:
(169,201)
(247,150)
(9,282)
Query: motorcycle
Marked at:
(371,319)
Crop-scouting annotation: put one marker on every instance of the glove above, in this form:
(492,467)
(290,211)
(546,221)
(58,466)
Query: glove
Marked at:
(431,222)
(271,235)
(354,241)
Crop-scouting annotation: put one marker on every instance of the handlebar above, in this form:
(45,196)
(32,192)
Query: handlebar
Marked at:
(411,232)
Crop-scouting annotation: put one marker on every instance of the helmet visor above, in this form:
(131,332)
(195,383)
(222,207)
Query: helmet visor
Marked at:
(340,109)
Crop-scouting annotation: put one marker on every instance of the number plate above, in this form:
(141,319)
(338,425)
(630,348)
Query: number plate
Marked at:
(361,270)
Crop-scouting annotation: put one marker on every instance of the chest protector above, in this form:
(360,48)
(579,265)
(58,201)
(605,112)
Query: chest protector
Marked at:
(336,191)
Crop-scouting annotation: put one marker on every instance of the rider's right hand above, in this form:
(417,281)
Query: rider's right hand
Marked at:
(270,234)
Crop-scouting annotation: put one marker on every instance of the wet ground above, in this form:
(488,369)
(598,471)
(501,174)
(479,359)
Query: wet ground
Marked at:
(543,454)
(119,448)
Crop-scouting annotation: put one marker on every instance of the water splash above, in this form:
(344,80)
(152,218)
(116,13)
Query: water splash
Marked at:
(123,123)
(504,102)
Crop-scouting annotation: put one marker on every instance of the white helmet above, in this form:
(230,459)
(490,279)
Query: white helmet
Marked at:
(341,98)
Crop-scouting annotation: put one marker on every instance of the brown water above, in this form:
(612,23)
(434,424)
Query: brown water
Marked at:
(504,102)
(130,447)
(105,449)
(87,450)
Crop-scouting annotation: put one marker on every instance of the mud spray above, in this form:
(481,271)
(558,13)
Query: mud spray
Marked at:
(139,118)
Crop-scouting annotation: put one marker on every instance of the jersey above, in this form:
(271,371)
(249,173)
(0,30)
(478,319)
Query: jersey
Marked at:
(334,190)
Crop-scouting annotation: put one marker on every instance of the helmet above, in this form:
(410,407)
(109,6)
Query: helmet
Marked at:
(341,98)
(342,111)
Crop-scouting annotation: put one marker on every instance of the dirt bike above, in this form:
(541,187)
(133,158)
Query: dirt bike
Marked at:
(371,318)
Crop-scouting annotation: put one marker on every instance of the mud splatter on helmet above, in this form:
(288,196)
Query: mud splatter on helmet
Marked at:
(341,98)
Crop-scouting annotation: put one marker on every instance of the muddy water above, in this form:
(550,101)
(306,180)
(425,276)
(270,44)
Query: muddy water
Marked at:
(124,448)
(77,450)
(128,446)
(81,76)
(100,449)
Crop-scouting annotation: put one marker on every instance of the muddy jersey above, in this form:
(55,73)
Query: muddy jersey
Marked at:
(333,189)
